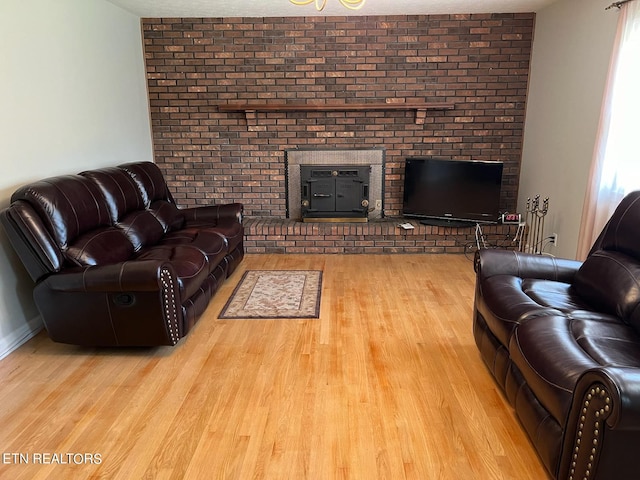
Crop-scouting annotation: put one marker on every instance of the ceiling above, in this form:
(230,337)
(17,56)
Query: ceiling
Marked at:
(284,8)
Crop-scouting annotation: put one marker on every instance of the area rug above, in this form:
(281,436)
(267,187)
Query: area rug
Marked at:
(276,294)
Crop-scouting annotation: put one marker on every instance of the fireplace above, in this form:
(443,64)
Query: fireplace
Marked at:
(335,185)
(334,193)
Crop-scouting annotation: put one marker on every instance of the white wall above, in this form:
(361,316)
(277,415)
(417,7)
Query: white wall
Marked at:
(73,97)
(571,51)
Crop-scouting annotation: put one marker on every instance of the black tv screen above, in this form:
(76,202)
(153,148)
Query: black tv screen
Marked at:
(452,190)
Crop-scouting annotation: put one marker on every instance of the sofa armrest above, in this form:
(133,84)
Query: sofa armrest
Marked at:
(622,386)
(31,240)
(490,262)
(603,427)
(135,275)
(133,303)
(214,213)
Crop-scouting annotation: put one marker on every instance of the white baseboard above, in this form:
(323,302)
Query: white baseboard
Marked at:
(20,336)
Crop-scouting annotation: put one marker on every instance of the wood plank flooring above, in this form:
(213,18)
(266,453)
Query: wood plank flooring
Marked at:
(386,384)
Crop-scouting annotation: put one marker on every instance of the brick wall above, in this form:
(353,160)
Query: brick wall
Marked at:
(478,62)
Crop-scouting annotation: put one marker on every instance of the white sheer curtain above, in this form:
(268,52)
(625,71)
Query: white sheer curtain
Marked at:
(616,164)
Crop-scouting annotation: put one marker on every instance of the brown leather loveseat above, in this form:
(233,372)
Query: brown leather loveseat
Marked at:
(562,340)
(115,262)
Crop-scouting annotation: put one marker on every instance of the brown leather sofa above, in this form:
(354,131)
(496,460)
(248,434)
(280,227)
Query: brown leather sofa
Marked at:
(562,340)
(114,261)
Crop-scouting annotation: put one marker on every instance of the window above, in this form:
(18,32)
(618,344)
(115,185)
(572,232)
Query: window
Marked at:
(616,164)
(621,162)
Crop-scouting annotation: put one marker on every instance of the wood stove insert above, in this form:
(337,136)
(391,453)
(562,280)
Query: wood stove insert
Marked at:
(334,193)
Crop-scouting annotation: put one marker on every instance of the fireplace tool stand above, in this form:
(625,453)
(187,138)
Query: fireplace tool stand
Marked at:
(534,223)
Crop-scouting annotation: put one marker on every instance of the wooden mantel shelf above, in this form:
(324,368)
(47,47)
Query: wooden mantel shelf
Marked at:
(250,109)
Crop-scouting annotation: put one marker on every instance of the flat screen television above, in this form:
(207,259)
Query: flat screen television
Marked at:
(439,191)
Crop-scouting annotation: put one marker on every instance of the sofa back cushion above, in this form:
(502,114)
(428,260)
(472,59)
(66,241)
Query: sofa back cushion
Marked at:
(168,214)
(622,232)
(610,282)
(120,192)
(609,278)
(127,206)
(74,213)
(150,181)
(155,193)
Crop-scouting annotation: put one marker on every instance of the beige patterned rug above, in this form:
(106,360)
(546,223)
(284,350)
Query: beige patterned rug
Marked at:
(276,294)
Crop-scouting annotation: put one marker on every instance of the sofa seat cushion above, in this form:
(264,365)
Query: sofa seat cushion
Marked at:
(557,295)
(504,304)
(233,232)
(99,247)
(212,244)
(553,352)
(508,300)
(189,263)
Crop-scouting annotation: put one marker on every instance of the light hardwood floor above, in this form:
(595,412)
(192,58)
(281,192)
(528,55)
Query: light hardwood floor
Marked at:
(386,384)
